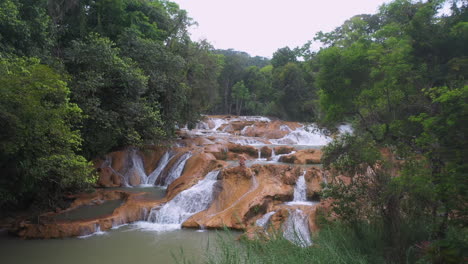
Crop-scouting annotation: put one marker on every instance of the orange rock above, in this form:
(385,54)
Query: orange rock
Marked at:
(265,152)
(243,149)
(304,156)
(283,150)
(243,194)
(133,209)
(195,169)
(314,180)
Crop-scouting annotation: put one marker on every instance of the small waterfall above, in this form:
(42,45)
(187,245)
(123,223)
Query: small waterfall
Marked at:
(300,190)
(218,122)
(259,154)
(176,169)
(161,165)
(276,158)
(273,154)
(244,130)
(296,228)
(136,170)
(97,232)
(186,203)
(307,135)
(264,220)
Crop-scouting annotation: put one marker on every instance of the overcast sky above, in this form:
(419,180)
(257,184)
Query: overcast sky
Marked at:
(260,27)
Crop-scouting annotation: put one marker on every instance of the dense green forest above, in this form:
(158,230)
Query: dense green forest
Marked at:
(81,78)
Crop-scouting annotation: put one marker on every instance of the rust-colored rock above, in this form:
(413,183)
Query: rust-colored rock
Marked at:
(245,193)
(133,208)
(265,152)
(283,150)
(243,149)
(195,169)
(304,156)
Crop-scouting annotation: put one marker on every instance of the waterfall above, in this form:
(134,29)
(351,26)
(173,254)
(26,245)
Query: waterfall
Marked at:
(218,122)
(306,135)
(185,204)
(136,170)
(97,232)
(263,221)
(259,154)
(176,170)
(273,154)
(276,158)
(300,190)
(296,228)
(161,165)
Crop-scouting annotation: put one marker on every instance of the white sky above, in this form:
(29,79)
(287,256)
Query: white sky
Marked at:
(260,27)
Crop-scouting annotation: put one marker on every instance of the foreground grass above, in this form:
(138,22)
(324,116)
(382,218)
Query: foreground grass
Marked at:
(334,244)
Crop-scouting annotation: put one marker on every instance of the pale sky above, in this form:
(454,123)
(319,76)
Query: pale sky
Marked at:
(260,27)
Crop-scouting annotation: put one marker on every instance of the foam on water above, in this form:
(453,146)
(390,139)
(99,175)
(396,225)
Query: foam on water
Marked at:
(185,204)
(176,169)
(307,135)
(263,221)
(296,228)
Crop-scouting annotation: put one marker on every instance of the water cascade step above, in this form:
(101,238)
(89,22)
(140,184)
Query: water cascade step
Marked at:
(185,204)
(264,220)
(175,171)
(161,165)
(296,228)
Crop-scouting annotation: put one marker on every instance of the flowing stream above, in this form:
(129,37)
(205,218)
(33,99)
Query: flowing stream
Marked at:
(187,203)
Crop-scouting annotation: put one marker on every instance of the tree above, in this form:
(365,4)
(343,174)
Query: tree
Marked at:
(110,88)
(38,143)
(240,93)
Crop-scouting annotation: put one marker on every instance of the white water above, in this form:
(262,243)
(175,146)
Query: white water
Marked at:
(97,232)
(276,158)
(300,192)
(183,206)
(263,221)
(135,168)
(306,135)
(246,141)
(161,165)
(296,228)
(176,169)
(218,122)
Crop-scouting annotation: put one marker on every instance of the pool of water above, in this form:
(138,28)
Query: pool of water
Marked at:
(89,211)
(153,192)
(250,163)
(125,245)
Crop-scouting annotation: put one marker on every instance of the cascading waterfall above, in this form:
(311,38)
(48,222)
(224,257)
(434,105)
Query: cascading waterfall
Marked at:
(296,228)
(176,170)
(300,190)
(218,122)
(136,168)
(185,204)
(161,165)
(264,220)
(306,135)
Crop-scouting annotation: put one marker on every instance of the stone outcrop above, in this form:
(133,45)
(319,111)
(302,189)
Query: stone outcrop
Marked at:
(304,156)
(134,207)
(244,194)
(241,194)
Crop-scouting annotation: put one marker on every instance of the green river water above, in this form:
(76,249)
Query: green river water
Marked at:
(128,245)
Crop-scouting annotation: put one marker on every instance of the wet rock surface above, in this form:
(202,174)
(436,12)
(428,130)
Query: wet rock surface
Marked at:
(253,181)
